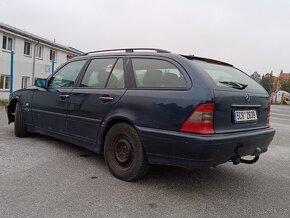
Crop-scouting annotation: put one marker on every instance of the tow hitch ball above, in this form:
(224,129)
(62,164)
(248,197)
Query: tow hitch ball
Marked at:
(237,159)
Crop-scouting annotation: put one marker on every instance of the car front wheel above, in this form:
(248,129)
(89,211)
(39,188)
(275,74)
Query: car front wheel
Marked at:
(124,153)
(19,124)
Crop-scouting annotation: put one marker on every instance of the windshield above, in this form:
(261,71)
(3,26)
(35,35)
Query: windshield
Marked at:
(226,76)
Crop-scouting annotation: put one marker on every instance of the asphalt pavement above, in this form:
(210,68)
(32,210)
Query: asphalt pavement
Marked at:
(45,177)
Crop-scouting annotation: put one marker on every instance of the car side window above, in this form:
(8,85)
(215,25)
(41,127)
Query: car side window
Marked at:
(155,73)
(98,72)
(116,80)
(66,75)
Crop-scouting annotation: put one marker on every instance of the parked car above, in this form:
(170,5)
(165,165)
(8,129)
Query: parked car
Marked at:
(148,106)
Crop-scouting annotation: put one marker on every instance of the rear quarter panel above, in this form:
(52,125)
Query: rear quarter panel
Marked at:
(165,109)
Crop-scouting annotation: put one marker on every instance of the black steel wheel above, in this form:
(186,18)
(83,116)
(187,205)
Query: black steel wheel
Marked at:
(124,154)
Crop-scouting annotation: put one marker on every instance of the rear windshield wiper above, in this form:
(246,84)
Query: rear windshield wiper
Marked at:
(234,85)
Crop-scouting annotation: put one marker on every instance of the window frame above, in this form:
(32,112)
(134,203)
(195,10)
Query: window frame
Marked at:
(4,81)
(27,55)
(178,66)
(106,86)
(27,82)
(104,57)
(7,39)
(55,54)
(37,50)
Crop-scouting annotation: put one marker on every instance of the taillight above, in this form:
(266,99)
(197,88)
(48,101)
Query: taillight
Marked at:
(201,120)
(268,116)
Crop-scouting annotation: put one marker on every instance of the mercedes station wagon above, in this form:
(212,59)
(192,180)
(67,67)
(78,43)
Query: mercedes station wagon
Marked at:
(143,106)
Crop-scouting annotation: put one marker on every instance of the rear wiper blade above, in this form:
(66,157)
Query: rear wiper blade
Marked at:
(234,85)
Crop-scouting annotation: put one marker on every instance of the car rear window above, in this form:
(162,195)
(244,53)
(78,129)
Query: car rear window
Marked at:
(227,76)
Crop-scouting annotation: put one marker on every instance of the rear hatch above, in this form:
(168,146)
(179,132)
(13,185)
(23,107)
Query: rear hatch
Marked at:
(240,103)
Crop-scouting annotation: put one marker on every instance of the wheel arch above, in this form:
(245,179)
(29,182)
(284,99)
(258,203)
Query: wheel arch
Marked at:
(106,126)
(11,109)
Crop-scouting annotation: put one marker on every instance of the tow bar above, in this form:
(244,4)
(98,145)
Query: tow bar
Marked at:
(237,159)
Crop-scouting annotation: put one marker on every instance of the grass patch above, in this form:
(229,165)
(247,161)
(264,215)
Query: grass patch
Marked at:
(3,102)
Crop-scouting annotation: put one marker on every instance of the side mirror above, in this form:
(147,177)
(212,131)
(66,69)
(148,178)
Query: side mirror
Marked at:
(40,83)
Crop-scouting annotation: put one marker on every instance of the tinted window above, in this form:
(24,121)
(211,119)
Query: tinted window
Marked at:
(117,76)
(27,47)
(98,73)
(66,76)
(153,73)
(226,76)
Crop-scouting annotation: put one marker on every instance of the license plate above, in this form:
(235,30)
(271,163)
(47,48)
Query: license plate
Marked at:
(245,115)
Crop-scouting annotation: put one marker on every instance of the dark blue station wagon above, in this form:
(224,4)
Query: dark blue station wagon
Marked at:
(148,106)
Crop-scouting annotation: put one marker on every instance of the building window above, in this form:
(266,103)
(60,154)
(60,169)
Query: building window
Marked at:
(5,82)
(27,48)
(52,55)
(25,82)
(39,51)
(7,43)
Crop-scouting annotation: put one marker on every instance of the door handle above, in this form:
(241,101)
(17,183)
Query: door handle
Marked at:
(106,98)
(64,96)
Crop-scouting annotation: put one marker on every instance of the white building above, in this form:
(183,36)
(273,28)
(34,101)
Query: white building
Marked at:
(33,57)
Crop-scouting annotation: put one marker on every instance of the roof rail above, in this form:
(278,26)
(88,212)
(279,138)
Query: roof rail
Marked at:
(129,50)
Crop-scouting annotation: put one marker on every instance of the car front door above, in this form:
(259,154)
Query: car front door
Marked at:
(49,105)
(100,88)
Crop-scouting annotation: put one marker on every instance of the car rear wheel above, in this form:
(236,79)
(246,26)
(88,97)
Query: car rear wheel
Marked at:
(19,124)
(124,153)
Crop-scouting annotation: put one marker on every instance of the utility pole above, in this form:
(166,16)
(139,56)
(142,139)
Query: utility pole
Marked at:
(11,70)
(33,63)
(52,65)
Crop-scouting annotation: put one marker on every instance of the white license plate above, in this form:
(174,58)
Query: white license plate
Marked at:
(245,115)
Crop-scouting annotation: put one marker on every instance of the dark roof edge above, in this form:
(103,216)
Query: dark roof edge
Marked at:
(39,39)
(209,60)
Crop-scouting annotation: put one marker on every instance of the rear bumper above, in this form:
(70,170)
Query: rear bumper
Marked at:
(189,150)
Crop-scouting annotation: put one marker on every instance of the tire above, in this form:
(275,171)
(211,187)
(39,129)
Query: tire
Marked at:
(124,153)
(19,124)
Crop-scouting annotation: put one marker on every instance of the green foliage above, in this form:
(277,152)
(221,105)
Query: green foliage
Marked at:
(267,82)
(285,85)
(255,76)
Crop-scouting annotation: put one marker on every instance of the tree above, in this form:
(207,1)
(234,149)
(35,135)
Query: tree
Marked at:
(281,72)
(285,85)
(255,76)
(267,82)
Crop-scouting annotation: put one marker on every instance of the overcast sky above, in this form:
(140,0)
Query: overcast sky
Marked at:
(252,35)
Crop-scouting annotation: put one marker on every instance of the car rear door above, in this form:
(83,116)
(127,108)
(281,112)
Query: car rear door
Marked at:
(100,88)
(240,102)
(49,106)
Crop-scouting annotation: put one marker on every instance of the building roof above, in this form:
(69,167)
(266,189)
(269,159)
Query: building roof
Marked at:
(285,75)
(39,39)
